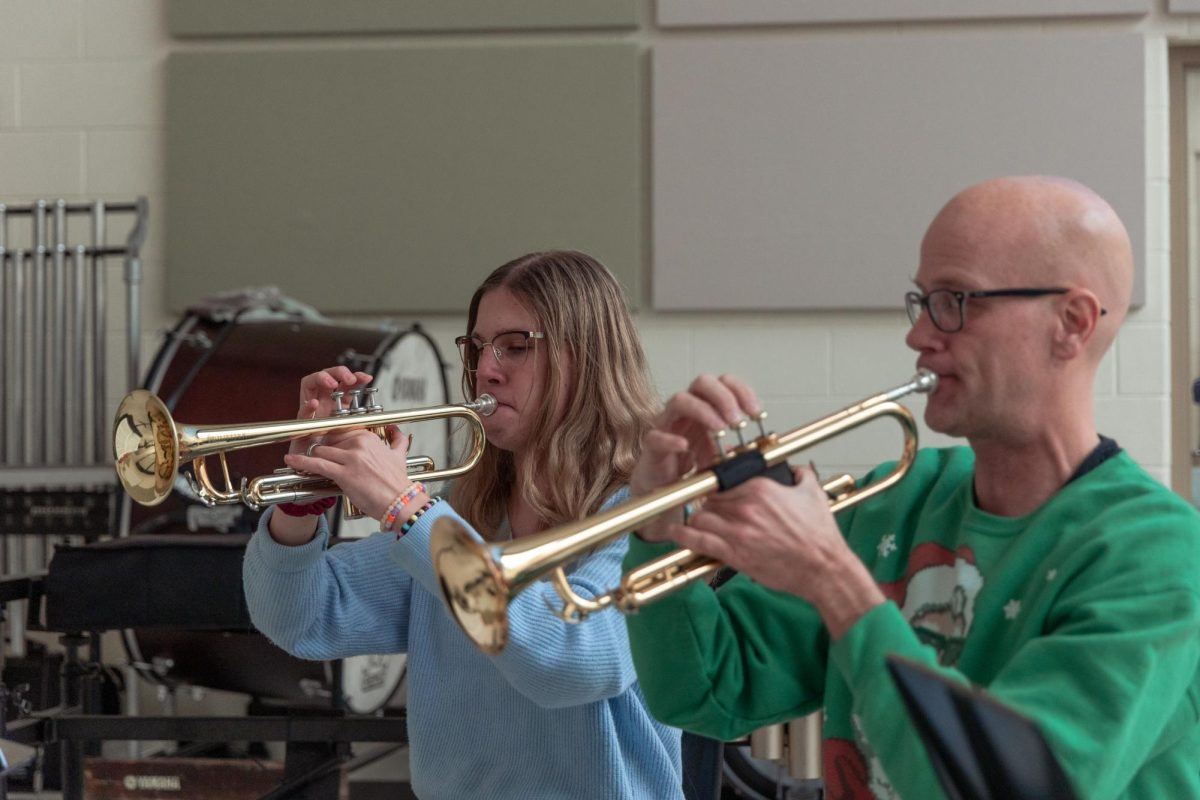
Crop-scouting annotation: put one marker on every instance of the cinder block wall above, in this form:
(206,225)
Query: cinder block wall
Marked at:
(82,116)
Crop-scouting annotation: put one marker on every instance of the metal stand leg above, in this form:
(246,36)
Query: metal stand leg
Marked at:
(74,694)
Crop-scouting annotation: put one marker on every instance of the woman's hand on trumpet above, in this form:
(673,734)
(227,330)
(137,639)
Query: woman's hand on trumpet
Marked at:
(316,397)
(682,439)
(370,472)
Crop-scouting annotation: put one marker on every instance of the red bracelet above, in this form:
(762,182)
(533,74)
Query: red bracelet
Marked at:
(312,509)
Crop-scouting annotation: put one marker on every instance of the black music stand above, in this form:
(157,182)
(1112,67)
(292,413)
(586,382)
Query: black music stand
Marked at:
(979,748)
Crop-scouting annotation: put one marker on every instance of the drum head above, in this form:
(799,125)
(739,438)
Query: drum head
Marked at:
(409,373)
(368,682)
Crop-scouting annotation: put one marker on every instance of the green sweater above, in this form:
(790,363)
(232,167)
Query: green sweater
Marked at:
(1082,615)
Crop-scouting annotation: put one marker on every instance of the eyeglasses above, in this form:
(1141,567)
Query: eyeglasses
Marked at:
(948,307)
(511,348)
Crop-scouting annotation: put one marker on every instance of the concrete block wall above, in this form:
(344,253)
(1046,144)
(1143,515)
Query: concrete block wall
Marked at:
(81,116)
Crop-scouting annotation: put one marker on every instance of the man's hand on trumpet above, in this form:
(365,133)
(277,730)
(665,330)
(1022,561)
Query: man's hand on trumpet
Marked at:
(681,440)
(783,537)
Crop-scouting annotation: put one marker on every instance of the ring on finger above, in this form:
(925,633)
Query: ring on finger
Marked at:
(311,447)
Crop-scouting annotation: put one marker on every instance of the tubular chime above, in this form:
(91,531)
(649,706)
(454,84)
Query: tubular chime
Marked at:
(56,477)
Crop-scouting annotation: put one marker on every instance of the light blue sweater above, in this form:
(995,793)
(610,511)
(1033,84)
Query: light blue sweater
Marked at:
(557,715)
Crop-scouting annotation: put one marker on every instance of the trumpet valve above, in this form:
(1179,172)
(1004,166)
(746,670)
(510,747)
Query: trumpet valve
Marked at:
(339,409)
(739,430)
(759,419)
(718,438)
(370,402)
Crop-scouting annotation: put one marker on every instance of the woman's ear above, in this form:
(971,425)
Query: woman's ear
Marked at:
(1078,317)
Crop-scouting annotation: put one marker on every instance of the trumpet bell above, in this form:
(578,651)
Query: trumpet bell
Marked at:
(471,583)
(144,447)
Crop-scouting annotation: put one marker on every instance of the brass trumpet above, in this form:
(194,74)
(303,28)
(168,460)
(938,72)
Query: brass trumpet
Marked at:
(149,447)
(478,580)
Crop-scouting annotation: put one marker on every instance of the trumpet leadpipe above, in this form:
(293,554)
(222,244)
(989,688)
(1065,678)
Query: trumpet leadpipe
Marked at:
(478,580)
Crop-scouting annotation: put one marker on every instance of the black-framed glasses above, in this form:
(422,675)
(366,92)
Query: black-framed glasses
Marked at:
(948,307)
(511,348)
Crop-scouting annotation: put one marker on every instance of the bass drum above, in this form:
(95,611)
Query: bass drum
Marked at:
(244,365)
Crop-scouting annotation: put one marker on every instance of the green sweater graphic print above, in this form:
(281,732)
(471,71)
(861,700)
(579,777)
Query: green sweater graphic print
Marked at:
(1082,615)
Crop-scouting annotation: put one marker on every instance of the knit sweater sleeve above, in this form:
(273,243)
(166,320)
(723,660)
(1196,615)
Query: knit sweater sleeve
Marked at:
(318,602)
(1110,681)
(553,663)
(727,662)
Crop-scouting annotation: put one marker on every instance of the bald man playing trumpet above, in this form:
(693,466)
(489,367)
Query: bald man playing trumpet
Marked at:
(1040,561)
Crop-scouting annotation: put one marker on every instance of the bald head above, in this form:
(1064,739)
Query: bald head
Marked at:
(1044,231)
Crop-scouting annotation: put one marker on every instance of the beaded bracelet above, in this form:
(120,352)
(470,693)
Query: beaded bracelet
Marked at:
(389,519)
(413,519)
(315,508)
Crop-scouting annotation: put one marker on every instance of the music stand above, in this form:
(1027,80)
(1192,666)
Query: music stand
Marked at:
(980,749)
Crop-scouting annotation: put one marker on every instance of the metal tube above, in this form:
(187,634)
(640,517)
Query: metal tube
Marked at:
(79,357)
(7,381)
(133,283)
(23,447)
(804,747)
(17,337)
(39,430)
(98,444)
(767,743)
(5,338)
(70,388)
(56,409)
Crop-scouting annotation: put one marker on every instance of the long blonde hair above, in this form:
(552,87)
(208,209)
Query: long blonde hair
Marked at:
(611,401)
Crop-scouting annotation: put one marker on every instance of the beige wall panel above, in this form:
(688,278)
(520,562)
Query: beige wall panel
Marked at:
(237,17)
(801,173)
(396,178)
(759,12)
(1183,6)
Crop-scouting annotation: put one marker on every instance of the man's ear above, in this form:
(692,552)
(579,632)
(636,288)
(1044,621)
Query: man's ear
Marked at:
(1078,316)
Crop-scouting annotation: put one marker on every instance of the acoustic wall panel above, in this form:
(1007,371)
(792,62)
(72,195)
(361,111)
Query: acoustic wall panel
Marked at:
(801,174)
(761,12)
(395,178)
(240,18)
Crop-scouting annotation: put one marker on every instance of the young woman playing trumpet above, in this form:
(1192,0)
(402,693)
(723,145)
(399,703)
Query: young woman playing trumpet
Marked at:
(558,714)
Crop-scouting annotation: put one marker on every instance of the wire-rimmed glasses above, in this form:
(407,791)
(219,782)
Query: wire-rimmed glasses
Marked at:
(511,348)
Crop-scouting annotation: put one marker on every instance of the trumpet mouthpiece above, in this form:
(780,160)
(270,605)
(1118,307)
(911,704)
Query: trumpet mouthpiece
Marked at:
(925,380)
(484,405)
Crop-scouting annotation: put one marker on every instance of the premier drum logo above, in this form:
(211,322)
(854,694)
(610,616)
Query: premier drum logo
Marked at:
(407,387)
